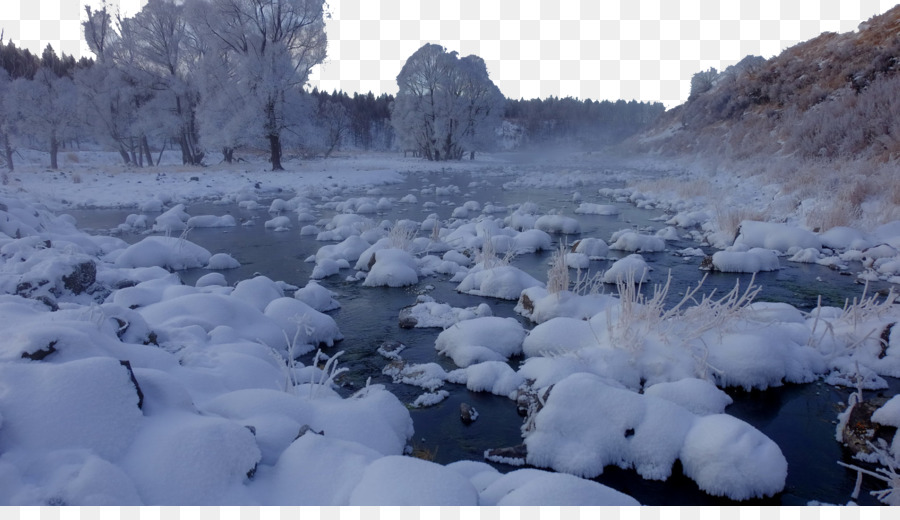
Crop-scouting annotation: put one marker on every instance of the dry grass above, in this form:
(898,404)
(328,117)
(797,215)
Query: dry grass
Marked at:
(729,219)
(423,452)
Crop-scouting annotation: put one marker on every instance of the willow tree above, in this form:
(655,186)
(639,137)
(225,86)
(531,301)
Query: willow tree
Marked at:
(445,105)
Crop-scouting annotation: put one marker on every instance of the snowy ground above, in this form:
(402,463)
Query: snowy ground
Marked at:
(120,385)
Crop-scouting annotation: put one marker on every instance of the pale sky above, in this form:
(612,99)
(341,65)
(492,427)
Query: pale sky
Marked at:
(600,49)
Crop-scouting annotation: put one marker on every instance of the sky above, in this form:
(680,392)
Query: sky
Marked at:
(646,50)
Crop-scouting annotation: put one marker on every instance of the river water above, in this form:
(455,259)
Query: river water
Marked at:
(800,418)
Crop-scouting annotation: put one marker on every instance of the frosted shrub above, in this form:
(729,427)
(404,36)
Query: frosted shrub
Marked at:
(558,274)
(401,237)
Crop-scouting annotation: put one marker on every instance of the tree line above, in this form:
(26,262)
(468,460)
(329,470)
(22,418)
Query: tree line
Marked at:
(231,75)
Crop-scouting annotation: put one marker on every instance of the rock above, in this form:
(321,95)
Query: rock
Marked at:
(38,355)
(81,278)
(137,387)
(526,303)
(391,349)
(513,455)
(860,430)
(885,340)
(407,320)
(707,264)
(467,414)
(306,429)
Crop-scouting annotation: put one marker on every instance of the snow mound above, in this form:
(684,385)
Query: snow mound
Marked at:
(753,261)
(631,268)
(481,339)
(407,481)
(780,237)
(220,261)
(168,252)
(317,297)
(586,425)
(392,268)
(505,282)
(587,208)
(635,242)
(427,313)
(534,487)
(559,224)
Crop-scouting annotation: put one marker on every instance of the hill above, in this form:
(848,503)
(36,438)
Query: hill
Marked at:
(820,119)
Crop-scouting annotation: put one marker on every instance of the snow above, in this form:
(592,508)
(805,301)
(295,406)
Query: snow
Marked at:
(481,339)
(168,252)
(407,481)
(587,208)
(504,281)
(632,268)
(211,358)
(780,237)
(636,242)
(753,261)
(586,425)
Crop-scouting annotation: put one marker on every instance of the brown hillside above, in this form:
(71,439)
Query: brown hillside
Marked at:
(836,95)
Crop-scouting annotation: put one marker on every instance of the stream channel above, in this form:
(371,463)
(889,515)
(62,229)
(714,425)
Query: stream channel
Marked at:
(801,419)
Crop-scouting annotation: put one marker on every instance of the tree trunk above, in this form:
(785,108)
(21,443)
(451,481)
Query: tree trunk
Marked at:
(8,152)
(472,155)
(145,146)
(124,153)
(54,151)
(228,153)
(187,155)
(275,150)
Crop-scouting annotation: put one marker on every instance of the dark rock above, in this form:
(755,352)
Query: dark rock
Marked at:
(371,261)
(79,280)
(860,431)
(707,264)
(137,387)
(467,414)
(885,340)
(251,428)
(306,429)
(407,321)
(40,354)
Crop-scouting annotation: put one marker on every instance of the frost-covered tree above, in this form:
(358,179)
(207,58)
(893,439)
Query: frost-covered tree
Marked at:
(334,122)
(5,122)
(109,98)
(445,105)
(160,54)
(46,109)
(262,52)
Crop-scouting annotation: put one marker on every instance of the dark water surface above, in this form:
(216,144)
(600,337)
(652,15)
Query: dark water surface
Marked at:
(800,418)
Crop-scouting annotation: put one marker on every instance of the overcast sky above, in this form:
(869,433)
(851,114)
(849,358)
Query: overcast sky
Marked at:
(600,49)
